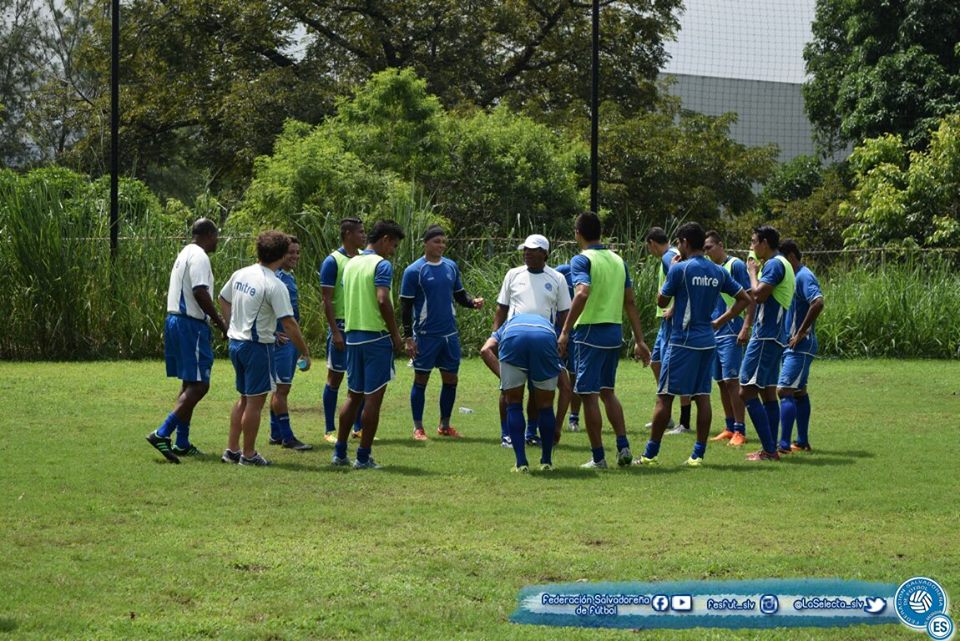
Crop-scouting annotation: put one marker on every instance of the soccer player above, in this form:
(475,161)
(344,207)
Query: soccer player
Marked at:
(428,289)
(532,288)
(801,349)
(694,284)
(568,364)
(658,245)
(772,289)
(187,337)
(522,350)
(731,337)
(255,300)
(595,325)
(286,356)
(371,337)
(352,240)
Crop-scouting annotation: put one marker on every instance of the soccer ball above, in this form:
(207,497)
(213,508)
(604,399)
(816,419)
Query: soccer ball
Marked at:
(920,601)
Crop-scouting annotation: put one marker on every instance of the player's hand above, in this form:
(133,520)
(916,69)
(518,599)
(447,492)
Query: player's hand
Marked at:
(304,363)
(338,342)
(282,339)
(676,259)
(410,347)
(642,353)
(477,303)
(562,341)
(397,344)
(716,324)
(796,338)
(744,336)
(668,313)
(751,266)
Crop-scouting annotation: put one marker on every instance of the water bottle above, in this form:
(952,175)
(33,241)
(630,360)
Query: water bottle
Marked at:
(466,410)
(302,364)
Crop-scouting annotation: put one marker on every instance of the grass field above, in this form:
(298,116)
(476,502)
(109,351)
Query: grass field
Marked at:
(99,539)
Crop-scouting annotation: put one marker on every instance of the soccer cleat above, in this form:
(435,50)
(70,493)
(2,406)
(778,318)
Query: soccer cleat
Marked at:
(725,435)
(649,462)
(533,440)
(784,450)
(737,440)
(679,429)
(341,462)
(330,437)
(694,462)
(573,424)
(763,455)
(369,464)
(419,434)
(595,465)
(162,445)
(670,425)
(505,441)
(297,444)
(798,447)
(546,467)
(356,433)
(187,451)
(624,457)
(520,469)
(448,432)
(230,456)
(275,441)
(256,460)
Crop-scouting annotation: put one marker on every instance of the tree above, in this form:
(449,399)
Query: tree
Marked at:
(19,71)
(876,68)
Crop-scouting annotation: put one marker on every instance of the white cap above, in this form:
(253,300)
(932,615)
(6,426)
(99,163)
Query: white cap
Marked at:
(535,241)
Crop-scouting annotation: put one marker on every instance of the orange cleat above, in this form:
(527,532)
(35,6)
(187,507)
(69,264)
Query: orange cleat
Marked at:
(419,434)
(725,435)
(796,447)
(737,440)
(448,431)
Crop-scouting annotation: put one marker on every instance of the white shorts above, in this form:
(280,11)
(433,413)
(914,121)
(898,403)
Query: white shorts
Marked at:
(512,376)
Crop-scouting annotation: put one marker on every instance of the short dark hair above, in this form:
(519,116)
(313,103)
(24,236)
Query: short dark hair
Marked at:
(349,225)
(272,246)
(657,235)
(714,235)
(204,227)
(693,233)
(788,247)
(383,228)
(293,240)
(769,234)
(432,232)
(589,226)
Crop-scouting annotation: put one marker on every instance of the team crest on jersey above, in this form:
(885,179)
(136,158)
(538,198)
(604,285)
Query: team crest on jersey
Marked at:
(548,287)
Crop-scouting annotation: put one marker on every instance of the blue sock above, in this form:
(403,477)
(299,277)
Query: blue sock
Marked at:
(622,442)
(699,449)
(761,423)
(418,398)
(773,418)
(448,396)
(515,423)
(531,428)
(183,436)
(363,454)
(274,427)
(653,448)
(730,423)
(574,417)
(340,449)
(803,419)
(788,413)
(357,424)
(547,420)
(598,454)
(168,426)
(329,409)
(283,427)
(740,427)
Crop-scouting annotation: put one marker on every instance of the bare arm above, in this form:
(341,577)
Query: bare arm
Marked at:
(576,308)
(489,353)
(335,334)
(202,296)
(225,306)
(640,350)
(386,311)
(500,317)
(292,329)
(815,308)
(742,301)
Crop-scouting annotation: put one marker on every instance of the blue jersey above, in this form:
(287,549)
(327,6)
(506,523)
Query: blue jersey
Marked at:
(512,333)
(599,334)
(287,279)
(695,285)
(328,270)
(807,290)
(737,269)
(666,261)
(431,286)
(771,319)
(564,270)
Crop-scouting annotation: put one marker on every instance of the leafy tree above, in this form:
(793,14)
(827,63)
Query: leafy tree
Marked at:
(876,68)
(19,67)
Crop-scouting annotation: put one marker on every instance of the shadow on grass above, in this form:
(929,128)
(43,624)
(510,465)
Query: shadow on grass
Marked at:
(567,473)
(323,466)
(819,461)
(7,625)
(846,453)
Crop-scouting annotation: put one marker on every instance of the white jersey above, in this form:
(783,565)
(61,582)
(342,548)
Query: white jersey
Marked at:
(544,294)
(192,269)
(257,298)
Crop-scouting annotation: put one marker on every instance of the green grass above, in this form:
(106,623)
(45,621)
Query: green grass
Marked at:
(100,540)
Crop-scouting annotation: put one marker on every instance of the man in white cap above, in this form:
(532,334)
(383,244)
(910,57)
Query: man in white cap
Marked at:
(532,288)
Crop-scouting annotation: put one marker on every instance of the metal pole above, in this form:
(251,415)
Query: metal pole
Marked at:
(595,109)
(114,125)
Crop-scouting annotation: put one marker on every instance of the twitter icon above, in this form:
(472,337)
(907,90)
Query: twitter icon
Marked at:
(875,605)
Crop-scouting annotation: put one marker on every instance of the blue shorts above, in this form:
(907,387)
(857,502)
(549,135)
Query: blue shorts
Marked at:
(286,357)
(255,367)
(369,366)
(686,372)
(795,370)
(442,352)
(761,363)
(726,364)
(187,348)
(659,353)
(535,353)
(336,360)
(596,368)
